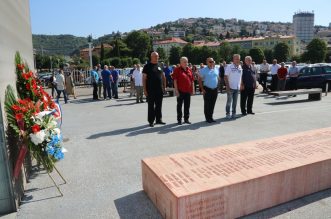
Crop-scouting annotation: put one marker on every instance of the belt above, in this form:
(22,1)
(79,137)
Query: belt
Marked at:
(208,88)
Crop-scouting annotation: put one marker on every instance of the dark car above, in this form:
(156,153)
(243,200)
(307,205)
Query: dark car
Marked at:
(314,76)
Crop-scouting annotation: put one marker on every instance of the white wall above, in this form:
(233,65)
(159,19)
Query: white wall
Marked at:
(15,35)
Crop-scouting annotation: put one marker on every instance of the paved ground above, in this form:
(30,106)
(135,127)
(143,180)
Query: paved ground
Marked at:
(108,139)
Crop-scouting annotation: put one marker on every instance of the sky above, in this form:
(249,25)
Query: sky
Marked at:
(100,17)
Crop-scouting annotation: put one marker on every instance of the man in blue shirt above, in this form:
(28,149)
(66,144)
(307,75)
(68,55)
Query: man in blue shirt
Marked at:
(167,72)
(94,81)
(114,82)
(208,82)
(106,78)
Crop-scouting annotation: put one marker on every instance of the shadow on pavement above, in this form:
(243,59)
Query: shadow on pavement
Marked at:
(290,206)
(136,205)
(288,102)
(160,129)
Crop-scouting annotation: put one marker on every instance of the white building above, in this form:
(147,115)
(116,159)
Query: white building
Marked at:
(168,43)
(177,33)
(303,26)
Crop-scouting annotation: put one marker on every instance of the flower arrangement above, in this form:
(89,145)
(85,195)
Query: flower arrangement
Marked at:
(33,117)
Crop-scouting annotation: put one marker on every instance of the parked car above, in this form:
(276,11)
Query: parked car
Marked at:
(314,76)
(44,78)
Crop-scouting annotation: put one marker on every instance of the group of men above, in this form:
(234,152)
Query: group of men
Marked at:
(279,74)
(237,79)
(106,78)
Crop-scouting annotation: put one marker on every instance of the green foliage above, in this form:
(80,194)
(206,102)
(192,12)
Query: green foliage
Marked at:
(115,62)
(95,60)
(268,55)
(281,52)
(135,61)
(225,51)
(140,44)
(256,54)
(175,54)
(58,44)
(162,54)
(102,52)
(316,51)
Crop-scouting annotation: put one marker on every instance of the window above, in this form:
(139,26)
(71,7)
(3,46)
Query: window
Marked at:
(327,69)
(316,71)
(305,71)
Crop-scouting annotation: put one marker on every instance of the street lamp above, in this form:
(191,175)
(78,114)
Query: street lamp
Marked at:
(89,40)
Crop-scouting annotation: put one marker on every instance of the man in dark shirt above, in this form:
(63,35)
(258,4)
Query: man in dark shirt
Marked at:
(248,86)
(114,82)
(106,78)
(154,83)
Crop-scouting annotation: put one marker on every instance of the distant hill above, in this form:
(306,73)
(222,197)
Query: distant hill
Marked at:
(58,44)
(209,29)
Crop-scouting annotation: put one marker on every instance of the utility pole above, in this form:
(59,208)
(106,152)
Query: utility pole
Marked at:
(89,40)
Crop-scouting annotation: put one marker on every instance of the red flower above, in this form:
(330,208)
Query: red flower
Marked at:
(19,116)
(24,110)
(20,67)
(16,108)
(28,86)
(26,76)
(35,128)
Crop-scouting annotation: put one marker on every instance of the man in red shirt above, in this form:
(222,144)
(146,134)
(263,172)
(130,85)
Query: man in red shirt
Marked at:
(183,82)
(281,73)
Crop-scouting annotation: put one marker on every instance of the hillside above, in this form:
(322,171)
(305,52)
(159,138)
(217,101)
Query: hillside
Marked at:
(58,44)
(209,29)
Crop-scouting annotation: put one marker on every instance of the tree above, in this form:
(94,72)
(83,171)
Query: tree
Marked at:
(256,54)
(227,36)
(135,61)
(162,54)
(95,60)
(281,52)
(188,52)
(175,54)
(243,32)
(221,37)
(140,43)
(102,52)
(316,51)
(268,55)
(225,51)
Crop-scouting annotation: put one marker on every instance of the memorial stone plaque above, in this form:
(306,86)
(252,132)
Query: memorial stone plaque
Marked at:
(236,180)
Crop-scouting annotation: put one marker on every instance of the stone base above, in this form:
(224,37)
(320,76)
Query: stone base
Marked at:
(236,180)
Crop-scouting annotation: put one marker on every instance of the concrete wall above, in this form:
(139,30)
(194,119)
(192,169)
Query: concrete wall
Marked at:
(15,35)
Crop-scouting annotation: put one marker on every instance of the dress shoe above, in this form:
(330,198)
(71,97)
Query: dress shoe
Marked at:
(187,122)
(151,125)
(251,113)
(212,120)
(179,123)
(160,123)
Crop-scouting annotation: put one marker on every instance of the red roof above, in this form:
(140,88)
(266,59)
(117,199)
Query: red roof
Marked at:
(171,40)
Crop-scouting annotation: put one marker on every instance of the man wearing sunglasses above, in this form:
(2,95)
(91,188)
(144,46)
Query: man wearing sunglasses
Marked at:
(208,81)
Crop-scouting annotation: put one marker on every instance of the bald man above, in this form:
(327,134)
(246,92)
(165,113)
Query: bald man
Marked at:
(154,83)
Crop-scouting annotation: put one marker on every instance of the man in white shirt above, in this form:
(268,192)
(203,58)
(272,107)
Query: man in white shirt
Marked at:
(138,82)
(264,70)
(233,74)
(61,86)
(274,70)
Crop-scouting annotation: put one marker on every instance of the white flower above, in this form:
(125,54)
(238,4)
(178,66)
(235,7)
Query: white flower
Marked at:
(57,131)
(52,125)
(38,137)
(42,114)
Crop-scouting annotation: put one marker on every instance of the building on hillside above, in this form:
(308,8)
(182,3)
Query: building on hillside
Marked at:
(84,53)
(177,33)
(326,36)
(168,43)
(303,26)
(268,43)
(212,45)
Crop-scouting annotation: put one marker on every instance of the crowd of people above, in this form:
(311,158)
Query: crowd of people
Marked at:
(186,79)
